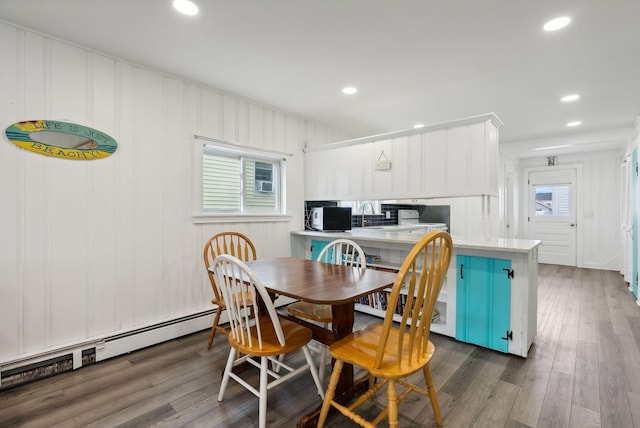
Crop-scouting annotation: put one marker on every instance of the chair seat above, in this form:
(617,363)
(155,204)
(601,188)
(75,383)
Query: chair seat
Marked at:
(311,311)
(296,336)
(248,299)
(360,348)
(392,351)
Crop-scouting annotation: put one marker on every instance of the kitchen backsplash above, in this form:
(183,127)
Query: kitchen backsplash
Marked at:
(428,214)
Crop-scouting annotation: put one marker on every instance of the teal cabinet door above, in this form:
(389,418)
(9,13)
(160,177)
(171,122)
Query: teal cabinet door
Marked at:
(317,247)
(483,301)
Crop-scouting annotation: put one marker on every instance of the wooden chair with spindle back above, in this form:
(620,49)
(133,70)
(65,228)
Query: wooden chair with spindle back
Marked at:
(235,244)
(339,252)
(390,352)
(265,337)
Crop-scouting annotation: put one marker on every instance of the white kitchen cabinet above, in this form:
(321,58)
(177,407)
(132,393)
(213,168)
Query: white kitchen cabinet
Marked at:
(473,159)
(317,177)
(360,179)
(435,170)
(391,248)
(453,159)
(383,179)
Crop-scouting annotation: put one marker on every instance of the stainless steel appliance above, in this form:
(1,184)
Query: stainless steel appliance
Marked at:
(410,219)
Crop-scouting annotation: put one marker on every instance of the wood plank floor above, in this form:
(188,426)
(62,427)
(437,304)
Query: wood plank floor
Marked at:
(583,370)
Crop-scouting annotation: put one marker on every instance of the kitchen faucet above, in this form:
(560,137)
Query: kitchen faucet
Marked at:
(364,205)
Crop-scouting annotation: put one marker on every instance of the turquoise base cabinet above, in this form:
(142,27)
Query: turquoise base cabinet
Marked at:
(483,301)
(316,248)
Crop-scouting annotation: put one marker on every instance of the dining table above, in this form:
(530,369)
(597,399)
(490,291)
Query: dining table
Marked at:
(329,284)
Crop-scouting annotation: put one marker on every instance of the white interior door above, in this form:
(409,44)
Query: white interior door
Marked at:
(552,214)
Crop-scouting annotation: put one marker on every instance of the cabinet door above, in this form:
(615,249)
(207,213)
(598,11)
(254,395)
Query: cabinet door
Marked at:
(319,176)
(435,164)
(483,301)
(360,169)
(383,179)
(402,175)
(473,159)
(317,247)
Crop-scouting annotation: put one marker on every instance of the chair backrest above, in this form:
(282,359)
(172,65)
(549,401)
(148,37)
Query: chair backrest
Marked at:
(420,278)
(343,252)
(241,290)
(233,243)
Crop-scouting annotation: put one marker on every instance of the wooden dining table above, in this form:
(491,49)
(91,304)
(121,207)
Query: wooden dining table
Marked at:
(329,284)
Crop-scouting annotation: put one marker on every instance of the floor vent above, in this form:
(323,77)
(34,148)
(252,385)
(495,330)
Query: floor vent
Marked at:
(43,369)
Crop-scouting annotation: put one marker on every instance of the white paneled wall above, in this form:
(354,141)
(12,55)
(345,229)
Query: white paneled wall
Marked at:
(598,194)
(89,249)
(626,219)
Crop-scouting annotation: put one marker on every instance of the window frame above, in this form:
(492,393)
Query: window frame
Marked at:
(199,215)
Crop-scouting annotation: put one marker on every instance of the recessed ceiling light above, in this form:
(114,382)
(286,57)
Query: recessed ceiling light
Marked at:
(553,147)
(419,125)
(570,98)
(574,123)
(349,90)
(557,23)
(186,7)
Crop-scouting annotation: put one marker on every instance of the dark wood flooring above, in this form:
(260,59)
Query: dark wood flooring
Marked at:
(583,370)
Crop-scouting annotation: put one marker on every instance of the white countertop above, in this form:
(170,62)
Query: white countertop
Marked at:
(364,234)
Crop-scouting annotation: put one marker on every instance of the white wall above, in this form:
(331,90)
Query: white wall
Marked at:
(599,198)
(508,198)
(90,248)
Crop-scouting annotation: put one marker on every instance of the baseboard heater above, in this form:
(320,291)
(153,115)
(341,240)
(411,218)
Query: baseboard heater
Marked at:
(146,336)
(37,366)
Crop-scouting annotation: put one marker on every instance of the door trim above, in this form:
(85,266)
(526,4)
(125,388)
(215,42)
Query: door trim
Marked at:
(524,189)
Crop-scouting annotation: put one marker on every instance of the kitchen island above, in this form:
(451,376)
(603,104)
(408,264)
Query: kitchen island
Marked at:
(488,298)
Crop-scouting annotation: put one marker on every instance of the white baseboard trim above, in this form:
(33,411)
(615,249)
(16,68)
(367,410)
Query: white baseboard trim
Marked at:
(117,344)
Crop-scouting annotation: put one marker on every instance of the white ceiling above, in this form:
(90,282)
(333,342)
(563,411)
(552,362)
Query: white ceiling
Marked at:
(413,61)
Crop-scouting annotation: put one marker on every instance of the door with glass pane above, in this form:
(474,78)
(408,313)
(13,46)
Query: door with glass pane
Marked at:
(551,214)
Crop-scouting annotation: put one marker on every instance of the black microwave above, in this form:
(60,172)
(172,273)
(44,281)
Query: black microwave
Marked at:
(336,219)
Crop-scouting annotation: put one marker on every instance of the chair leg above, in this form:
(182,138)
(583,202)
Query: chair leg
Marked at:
(214,327)
(314,372)
(392,404)
(264,380)
(323,363)
(331,389)
(433,396)
(323,355)
(276,367)
(227,372)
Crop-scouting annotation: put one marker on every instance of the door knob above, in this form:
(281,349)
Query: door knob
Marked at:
(572,224)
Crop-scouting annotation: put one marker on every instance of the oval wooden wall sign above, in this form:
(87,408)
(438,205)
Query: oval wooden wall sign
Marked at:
(61,139)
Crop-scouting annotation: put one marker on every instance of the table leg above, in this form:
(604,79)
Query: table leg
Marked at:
(342,324)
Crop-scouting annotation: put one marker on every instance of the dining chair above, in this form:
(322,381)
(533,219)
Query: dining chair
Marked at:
(236,244)
(391,352)
(339,252)
(264,336)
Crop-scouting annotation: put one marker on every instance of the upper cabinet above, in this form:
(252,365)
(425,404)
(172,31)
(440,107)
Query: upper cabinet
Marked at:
(457,158)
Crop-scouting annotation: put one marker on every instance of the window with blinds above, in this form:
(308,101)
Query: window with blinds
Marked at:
(237,182)
(552,200)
